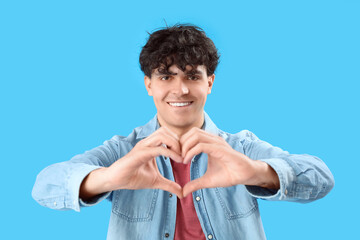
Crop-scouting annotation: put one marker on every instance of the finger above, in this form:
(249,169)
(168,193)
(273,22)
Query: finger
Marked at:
(191,132)
(197,136)
(193,140)
(197,149)
(164,137)
(170,186)
(194,185)
(196,130)
(167,185)
(173,143)
(161,151)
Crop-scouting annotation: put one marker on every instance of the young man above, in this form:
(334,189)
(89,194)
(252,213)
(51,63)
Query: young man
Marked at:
(216,176)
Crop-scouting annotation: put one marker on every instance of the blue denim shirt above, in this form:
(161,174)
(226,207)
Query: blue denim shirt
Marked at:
(224,213)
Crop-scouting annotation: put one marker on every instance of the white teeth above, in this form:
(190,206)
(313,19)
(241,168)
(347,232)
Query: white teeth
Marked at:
(179,104)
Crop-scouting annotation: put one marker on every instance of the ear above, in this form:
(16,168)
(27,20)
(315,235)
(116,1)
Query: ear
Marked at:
(210,82)
(147,82)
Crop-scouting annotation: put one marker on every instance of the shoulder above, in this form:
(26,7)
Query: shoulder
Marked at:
(131,139)
(137,134)
(242,136)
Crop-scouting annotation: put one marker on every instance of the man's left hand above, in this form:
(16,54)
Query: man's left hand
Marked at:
(226,166)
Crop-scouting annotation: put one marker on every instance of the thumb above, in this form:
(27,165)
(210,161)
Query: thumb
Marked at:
(193,186)
(170,186)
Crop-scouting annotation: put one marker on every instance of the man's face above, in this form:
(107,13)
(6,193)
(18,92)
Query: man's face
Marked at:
(180,96)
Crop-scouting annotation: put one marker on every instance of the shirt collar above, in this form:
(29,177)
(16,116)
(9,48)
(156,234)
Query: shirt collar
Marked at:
(153,125)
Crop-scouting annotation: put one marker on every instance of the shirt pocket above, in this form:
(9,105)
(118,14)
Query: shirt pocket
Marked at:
(236,201)
(135,205)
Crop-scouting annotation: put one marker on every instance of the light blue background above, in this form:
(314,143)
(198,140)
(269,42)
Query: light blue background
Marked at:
(70,79)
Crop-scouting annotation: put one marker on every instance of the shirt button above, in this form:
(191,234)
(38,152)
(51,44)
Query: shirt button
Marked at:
(286,191)
(55,204)
(210,236)
(170,195)
(167,235)
(197,198)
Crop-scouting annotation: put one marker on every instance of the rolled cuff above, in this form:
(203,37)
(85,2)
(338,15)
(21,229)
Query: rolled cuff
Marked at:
(286,177)
(74,182)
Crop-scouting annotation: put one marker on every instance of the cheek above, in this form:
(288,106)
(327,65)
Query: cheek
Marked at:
(202,93)
(159,95)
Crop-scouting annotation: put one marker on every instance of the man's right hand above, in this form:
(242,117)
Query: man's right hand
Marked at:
(137,169)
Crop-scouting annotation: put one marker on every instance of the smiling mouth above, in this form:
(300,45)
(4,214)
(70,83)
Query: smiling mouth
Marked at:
(180,104)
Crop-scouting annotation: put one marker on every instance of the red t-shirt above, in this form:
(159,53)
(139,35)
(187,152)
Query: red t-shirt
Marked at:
(187,223)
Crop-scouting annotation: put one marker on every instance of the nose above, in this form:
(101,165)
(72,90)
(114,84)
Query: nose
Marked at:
(184,89)
(181,87)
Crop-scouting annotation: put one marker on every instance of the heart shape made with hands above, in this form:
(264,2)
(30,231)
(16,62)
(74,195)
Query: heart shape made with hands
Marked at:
(226,166)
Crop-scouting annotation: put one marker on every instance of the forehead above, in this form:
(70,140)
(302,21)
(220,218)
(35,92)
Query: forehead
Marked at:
(175,70)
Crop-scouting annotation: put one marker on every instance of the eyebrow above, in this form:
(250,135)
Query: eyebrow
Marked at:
(191,72)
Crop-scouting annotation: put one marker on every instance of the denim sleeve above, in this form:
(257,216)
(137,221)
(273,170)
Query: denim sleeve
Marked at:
(303,178)
(57,186)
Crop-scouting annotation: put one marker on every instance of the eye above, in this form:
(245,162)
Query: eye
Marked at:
(193,77)
(165,78)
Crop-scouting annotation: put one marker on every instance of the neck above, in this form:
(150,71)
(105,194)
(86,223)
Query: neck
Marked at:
(181,130)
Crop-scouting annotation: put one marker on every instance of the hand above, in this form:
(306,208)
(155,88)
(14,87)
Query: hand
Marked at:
(138,169)
(226,166)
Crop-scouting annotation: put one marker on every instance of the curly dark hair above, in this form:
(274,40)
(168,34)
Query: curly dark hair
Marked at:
(182,45)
